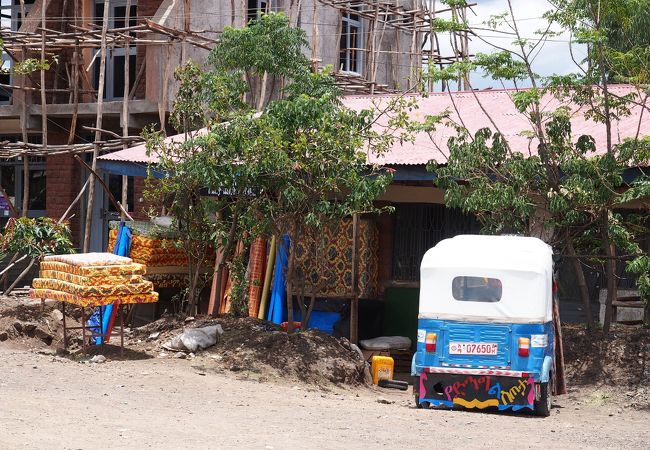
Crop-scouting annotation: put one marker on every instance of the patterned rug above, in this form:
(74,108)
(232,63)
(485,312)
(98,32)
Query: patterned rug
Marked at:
(336,261)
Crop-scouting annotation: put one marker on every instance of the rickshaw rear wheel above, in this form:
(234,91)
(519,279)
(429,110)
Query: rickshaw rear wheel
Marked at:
(543,405)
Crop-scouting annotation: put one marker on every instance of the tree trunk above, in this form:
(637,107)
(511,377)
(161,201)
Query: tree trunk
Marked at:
(25,207)
(303,308)
(14,260)
(610,273)
(226,255)
(193,293)
(582,283)
(318,247)
(289,278)
(263,82)
(560,372)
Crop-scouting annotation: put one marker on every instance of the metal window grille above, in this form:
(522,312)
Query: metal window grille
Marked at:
(418,227)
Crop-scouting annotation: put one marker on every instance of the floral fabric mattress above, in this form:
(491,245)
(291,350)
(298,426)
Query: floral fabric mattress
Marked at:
(93,301)
(95,271)
(90,259)
(89,281)
(93,279)
(153,251)
(141,287)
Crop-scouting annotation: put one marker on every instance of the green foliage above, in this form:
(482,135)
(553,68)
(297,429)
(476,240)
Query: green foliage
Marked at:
(525,99)
(35,237)
(239,290)
(440,25)
(32,65)
(565,188)
(482,178)
(266,45)
(501,65)
(292,167)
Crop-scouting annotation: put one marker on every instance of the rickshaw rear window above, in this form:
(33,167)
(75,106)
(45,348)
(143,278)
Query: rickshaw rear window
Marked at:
(476,289)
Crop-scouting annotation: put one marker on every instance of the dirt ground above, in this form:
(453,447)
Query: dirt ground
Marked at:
(236,393)
(53,402)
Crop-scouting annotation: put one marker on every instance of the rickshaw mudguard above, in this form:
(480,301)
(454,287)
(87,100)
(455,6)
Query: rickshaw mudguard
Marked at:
(477,391)
(546,369)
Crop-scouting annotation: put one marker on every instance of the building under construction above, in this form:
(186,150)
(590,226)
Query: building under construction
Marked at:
(83,77)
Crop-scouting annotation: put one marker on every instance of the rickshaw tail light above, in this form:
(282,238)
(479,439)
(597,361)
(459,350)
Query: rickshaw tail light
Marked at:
(430,342)
(524,346)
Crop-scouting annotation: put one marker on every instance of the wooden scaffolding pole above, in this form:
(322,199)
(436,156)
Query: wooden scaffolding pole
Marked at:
(125,107)
(23,123)
(75,80)
(98,133)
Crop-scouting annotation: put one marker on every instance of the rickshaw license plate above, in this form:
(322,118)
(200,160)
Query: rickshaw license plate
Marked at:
(473,348)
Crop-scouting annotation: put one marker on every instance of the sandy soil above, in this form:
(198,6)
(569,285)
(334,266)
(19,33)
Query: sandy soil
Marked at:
(51,402)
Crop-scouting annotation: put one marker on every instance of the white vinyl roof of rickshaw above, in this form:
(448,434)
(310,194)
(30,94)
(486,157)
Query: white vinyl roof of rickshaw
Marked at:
(500,253)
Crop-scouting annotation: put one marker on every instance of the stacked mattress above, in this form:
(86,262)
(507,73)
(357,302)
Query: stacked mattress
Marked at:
(152,251)
(93,279)
(157,248)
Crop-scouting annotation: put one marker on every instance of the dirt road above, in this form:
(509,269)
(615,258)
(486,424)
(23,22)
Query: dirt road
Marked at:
(52,402)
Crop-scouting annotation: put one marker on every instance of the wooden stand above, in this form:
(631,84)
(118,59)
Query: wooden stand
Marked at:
(98,329)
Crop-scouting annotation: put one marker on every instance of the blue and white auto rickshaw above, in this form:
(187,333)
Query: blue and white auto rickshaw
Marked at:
(485,326)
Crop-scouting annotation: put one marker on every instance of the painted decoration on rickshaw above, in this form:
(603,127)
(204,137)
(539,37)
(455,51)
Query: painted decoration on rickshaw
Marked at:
(477,391)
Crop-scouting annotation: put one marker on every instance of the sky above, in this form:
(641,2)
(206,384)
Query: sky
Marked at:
(553,58)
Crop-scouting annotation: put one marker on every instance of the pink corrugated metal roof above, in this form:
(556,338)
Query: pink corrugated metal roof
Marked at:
(499,104)
(138,154)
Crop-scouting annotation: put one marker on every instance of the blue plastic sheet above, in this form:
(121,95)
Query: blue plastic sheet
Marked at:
(277,306)
(122,247)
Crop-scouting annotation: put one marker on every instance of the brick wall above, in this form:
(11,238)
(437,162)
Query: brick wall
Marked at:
(141,206)
(62,186)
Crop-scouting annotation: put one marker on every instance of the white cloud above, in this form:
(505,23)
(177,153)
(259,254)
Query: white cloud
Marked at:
(554,55)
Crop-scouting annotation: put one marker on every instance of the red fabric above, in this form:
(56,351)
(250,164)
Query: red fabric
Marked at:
(256,275)
(111,322)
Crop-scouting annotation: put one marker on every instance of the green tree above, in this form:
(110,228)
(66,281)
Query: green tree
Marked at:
(564,190)
(290,161)
(33,238)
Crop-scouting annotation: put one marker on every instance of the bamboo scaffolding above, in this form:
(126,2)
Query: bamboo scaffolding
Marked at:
(98,134)
(46,43)
(76,37)
(416,23)
(125,105)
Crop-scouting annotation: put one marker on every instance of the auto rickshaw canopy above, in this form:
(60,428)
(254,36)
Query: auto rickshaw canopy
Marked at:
(476,278)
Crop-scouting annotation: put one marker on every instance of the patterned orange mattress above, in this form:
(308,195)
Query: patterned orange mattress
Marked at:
(95,271)
(89,281)
(89,259)
(93,279)
(153,251)
(93,301)
(141,287)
